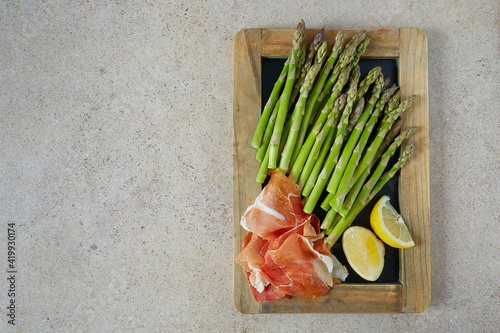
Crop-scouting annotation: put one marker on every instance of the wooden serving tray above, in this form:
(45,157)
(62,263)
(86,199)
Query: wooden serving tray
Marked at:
(413,292)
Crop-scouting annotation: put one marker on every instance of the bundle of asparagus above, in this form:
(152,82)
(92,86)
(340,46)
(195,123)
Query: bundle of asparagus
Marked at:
(333,139)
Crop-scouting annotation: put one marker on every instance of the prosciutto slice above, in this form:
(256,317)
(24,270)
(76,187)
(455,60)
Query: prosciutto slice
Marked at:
(252,259)
(284,253)
(277,208)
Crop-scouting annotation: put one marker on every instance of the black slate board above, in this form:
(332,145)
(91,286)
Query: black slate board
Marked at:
(271,69)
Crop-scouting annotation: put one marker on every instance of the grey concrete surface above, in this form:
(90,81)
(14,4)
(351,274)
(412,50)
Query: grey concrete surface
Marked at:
(116,162)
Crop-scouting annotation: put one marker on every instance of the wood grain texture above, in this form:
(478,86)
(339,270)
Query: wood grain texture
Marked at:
(344,298)
(383,42)
(412,294)
(246,113)
(414,191)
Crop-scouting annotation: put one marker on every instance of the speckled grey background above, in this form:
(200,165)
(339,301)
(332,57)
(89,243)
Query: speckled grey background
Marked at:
(116,162)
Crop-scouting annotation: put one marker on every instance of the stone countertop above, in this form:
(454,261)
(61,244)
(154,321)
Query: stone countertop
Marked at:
(116,159)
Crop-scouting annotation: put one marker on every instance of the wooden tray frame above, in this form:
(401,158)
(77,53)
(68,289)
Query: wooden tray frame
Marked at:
(413,292)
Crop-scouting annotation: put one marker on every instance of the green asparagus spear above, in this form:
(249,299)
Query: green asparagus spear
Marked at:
(335,221)
(384,160)
(389,174)
(268,108)
(353,193)
(387,80)
(342,79)
(298,114)
(330,220)
(370,189)
(386,126)
(305,149)
(308,60)
(325,205)
(311,102)
(303,152)
(318,143)
(302,59)
(367,81)
(353,138)
(267,134)
(350,100)
(396,127)
(333,155)
(347,180)
(387,141)
(360,51)
(355,115)
(262,174)
(318,165)
(313,49)
(295,92)
(287,91)
(313,176)
(356,39)
(350,56)
(344,60)
(391,105)
(320,57)
(301,55)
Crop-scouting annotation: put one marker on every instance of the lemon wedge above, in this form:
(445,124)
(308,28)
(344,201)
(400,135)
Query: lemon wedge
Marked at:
(364,252)
(389,225)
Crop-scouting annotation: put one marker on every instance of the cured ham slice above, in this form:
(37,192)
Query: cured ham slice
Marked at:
(276,209)
(303,266)
(251,256)
(285,254)
(252,259)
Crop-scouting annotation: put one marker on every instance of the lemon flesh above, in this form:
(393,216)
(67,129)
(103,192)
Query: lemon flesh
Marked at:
(364,252)
(389,225)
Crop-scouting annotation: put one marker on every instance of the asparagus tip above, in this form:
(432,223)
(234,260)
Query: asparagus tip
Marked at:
(343,98)
(410,131)
(321,34)
(301,26)
(340,36)
(397,125)
(361,103)
(410,148)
